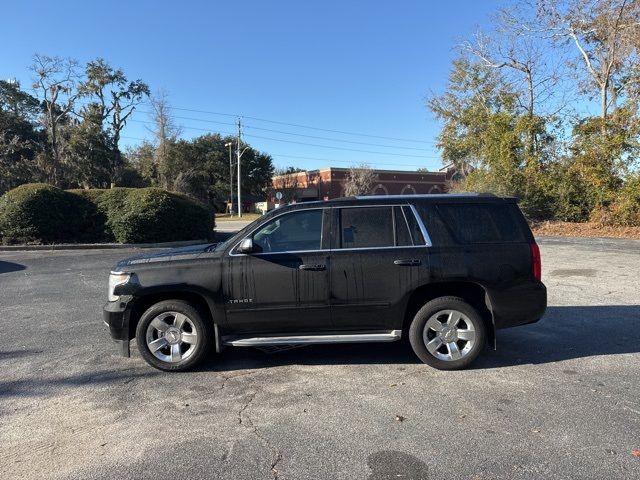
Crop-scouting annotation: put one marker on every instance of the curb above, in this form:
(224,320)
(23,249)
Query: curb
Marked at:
(100,246)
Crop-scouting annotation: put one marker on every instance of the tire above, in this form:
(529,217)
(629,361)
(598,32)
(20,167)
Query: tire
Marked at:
(441,327)
(173,336)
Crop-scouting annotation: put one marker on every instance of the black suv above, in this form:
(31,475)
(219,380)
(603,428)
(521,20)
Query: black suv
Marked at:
(446,270)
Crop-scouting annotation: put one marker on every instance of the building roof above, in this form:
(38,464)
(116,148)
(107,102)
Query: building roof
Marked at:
(376,170)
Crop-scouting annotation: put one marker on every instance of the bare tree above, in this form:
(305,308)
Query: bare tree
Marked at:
(55,81)
(360,180)
(165,132)
(605,34)
(516,48)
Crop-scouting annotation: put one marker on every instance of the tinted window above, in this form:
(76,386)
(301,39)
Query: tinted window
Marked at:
(366,227)
(483,223)
(438,232)
(403,237)
(290,232)
(414,228)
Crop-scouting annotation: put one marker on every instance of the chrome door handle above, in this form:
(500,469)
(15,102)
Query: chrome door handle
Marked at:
(314,268)
(410,262)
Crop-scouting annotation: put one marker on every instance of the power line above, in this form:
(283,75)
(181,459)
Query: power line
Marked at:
(343,148)
(298,125)
(333,160)
(340,131)
(208,130)
(134,138)
(371,152)
(194,119)
(302,157)
(339,140)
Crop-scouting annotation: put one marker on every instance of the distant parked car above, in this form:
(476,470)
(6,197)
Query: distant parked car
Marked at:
(446,270)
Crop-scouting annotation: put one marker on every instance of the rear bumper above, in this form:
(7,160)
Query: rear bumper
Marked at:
(519,305)
(116,317)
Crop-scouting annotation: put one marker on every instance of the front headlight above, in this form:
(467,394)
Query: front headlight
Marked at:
(115,279)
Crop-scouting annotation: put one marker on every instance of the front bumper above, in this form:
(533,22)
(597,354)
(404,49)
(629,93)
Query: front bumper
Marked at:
(116,317)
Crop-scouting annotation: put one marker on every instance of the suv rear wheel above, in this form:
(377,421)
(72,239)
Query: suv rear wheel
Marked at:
(447,333)
(173,336)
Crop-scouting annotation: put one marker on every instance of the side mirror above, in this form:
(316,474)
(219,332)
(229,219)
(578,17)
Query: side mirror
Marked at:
(246,246)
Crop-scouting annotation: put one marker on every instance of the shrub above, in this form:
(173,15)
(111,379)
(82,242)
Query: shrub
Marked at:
(150,214)
(39,213)
(624,210)
(626,207)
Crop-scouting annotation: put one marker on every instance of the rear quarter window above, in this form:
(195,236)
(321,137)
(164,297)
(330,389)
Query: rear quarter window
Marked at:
(488,223)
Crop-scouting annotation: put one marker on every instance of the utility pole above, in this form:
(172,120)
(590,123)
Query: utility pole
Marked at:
(230,144)
(238,154)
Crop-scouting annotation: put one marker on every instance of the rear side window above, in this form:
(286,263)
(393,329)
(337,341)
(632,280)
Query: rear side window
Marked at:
(414,228)
(403,236)
(378,227)
(480,223)
(366,227)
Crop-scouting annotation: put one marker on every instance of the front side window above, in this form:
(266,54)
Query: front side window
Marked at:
(290,232)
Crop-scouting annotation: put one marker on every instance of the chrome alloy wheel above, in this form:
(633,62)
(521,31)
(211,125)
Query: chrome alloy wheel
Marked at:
(449,335)
(171,337)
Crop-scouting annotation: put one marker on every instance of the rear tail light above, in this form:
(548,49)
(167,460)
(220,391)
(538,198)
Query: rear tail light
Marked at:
(536,262)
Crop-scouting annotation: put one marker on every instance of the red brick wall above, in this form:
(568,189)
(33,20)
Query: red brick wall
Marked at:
(330,182)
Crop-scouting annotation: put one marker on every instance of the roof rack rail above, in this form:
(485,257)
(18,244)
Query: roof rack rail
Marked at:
(420,195)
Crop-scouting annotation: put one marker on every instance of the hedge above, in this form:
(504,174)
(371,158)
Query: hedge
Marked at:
(39,213)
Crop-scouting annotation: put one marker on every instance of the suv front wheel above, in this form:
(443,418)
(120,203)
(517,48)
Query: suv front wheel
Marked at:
(447,333)
(172,335)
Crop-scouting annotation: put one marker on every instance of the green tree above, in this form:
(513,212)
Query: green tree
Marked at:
(21,141)
(200,168)
(89,151)
(142,159)
(486,135)
(474,93)
(115,100)
(598,163)
(522,56)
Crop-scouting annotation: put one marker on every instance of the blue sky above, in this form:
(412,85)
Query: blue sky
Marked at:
(361,67)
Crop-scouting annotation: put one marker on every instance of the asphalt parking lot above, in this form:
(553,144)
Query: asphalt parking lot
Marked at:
(558,399)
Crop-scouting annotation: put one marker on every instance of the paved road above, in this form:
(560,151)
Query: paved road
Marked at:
(231,225)
(559,399)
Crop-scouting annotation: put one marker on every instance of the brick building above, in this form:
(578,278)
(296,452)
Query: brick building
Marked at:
(328,183)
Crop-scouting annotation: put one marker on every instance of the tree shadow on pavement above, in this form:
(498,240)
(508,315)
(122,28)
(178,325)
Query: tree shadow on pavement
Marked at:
(565,332)
(50,386)
(8,267)
(11,354)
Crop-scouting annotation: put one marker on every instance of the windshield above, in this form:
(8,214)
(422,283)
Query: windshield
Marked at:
(222,245)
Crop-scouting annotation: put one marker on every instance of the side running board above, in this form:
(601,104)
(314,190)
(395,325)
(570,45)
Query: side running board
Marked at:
(237,341)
